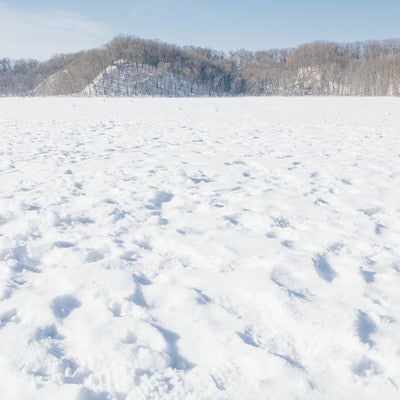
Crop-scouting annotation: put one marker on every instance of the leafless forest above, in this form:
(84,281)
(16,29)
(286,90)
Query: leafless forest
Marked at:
(129,66)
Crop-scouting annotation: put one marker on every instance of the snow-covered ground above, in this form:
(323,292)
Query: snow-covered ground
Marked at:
(199,249)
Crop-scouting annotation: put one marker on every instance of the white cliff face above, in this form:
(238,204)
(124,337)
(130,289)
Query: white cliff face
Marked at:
(199,248)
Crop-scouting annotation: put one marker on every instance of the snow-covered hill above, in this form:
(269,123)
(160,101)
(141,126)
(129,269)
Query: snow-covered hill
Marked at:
(199,249)
(124,79)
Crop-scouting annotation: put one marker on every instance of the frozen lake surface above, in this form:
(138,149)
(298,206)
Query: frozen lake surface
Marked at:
(215,249)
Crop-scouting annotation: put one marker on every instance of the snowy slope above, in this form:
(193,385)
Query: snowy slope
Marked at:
(199,249)
(124,79)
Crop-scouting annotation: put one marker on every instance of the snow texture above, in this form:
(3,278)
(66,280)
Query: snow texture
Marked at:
(199,249)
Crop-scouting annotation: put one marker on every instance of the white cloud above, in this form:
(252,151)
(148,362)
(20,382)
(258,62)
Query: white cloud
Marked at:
(41,34)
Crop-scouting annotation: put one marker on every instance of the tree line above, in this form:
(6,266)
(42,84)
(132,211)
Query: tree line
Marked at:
(130,66)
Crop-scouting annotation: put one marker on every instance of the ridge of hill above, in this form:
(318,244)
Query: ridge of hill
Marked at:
(130,66)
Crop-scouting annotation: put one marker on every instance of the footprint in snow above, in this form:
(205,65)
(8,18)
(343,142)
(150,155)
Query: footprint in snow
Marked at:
(130,338)
(163,221)
(379,228)
(129,256)
(62,306)
(30,207)
(177,361)
(369,212)
(280,222)
(140,279)
(271,235)
(198,180)
(94,256)
(23,261)
(366,367)
(158,200)
(323,268)
(7,317)
(346,181)
(48,332)
(336,248)
(320,201)
(63,245)
(365,328)
(368,276)
(88,394)
(287,243)
(84,220)
(138,298)
(231,220)
(248,338)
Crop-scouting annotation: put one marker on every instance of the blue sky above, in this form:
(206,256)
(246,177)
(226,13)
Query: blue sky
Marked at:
(41,28)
